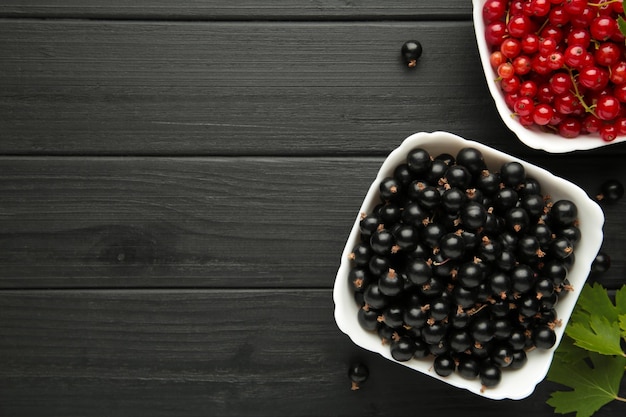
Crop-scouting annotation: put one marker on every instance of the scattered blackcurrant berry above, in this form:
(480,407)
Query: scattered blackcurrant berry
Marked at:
(601,263)
(611,191)
(358,374)
(411,51)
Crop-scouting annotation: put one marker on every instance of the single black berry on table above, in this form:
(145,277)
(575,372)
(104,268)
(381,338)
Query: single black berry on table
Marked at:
(358,374)
(601,263)
(611,191)
(411,51)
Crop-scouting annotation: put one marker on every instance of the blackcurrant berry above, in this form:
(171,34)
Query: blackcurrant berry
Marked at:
(402,348)
(512,174)
(458,176)
(488,182)
(483,329)
(390,189)
(403,175)
(411,51)
(452,200)
(382,241)
(459,340)
(359,279)
(413,214)
(601,263)
(358,374)
(563,213)
(391,284)
(473,215)
(433,333)
(468,367)
(517,220)
(470,274)
(544,337)
(561,247)
(392,316)
(419,161)
(418,271)
(368,318)
(452,246)
(472,159)
(502,355)
(444,365)
(519,359)
(374,297)
(490,375)
(415,315)
(378,264)
(505,199)
(406,237)
(611,191)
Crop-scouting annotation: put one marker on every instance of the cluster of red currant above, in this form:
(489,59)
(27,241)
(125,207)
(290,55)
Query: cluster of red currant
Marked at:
(561,64)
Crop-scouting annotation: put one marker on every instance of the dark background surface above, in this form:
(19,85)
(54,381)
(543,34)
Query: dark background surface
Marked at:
(177,182)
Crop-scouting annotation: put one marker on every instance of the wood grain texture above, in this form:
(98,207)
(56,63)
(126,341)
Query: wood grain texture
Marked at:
(238,88)
(207,222)
(240,10)
(199,353)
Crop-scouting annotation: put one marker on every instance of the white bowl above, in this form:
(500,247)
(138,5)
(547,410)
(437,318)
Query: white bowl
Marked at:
(515,384)
(532,137)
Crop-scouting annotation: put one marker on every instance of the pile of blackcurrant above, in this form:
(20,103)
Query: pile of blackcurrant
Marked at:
(463,265)
(561,64)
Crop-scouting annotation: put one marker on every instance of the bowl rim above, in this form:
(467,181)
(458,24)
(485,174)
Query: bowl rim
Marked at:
(532,137)
(587,248)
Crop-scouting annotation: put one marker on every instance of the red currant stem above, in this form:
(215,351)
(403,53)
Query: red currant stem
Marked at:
(543,25)
(576,92)
(603,3)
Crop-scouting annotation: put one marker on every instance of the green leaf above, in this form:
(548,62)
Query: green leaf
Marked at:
(620,300)
(622,325)
(597,335)
(594,383)
(594,324)
(621,23)
(594,299)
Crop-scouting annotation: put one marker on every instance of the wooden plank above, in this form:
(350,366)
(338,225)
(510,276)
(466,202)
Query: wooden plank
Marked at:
(206,222)
(155,88)
(246,9)
(218,353)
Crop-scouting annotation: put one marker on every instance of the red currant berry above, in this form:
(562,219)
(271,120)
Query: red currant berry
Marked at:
(494,10)
(580,37)
(607,53)
(583,19)
(607,107)
(574,7)
(592,124)
(496,59)
(558,16)
(566,103)
(552,32)
(617,73)
(506,70)
(528,89)
(524,106)
(522,65)
(556,60)
(495,33)
(511,47)
(542,114)
(608,132)
(539,8)
(560,82)
(510,99)
(510,85)
(545,94)
(575,56)
(547,46)
(530,43)
(619,91)
(593,77)
(557,119)
(526,121)
(570,128)
(602,28)
(541,64)
(620,124)
(519,25)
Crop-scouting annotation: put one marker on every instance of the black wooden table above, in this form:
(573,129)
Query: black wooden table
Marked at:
(177,182)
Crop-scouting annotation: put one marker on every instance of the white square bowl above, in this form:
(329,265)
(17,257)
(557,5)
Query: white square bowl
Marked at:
(531,136)
(515,384)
